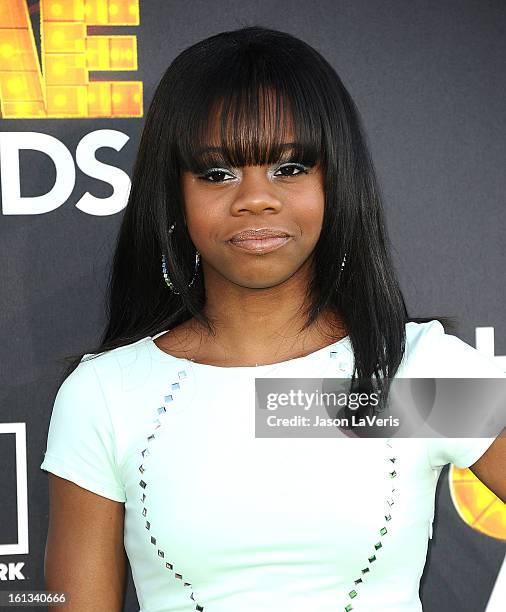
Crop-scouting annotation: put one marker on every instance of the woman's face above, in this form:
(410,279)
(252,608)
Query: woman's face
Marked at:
(222,201)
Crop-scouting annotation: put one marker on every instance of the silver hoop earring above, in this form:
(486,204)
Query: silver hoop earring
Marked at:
(343,262)
(166,274)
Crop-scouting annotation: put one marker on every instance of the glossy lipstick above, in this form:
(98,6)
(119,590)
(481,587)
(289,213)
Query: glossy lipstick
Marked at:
(263,240)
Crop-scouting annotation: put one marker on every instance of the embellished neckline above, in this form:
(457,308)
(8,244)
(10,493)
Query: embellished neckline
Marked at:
(331,350)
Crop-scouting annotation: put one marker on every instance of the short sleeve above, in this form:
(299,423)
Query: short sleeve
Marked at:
(457,359)
(462,452)
(81,442)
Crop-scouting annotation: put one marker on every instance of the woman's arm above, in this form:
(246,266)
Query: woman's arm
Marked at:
(491,467)
(85,555)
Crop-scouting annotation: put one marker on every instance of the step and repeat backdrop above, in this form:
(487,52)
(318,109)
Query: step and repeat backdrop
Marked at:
(76,77)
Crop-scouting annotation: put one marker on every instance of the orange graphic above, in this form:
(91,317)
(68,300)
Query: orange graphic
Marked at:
(476,504)
(62,87)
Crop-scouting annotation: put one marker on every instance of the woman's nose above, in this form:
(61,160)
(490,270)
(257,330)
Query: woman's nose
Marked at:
(256,193)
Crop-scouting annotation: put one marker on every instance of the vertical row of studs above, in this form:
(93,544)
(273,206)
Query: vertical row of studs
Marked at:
(143,484)
(393,492)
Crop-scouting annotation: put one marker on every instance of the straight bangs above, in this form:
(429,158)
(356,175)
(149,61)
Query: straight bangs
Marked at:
(253,112)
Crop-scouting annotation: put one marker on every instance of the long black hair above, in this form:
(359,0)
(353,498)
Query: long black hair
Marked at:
(256,81)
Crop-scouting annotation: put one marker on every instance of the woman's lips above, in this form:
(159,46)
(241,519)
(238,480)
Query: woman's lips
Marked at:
(260,245)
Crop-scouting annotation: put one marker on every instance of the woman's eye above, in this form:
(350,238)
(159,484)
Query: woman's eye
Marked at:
(289,167)
(216,173)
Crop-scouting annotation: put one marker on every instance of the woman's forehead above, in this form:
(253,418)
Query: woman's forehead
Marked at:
(258,122)
(248,130)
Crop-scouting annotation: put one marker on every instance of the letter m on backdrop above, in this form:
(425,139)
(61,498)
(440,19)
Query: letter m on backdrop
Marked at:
(61,87)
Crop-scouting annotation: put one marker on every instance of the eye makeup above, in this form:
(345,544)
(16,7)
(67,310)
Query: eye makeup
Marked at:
(207,174)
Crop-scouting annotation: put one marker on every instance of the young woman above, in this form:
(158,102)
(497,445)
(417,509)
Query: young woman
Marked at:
(252,246)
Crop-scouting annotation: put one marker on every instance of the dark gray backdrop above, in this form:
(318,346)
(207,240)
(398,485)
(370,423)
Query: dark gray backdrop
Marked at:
(428,78)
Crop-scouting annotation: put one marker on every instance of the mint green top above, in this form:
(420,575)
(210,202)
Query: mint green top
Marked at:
(220,520)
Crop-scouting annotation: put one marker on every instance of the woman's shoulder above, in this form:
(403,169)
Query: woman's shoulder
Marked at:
(123,368)
(431,351)
(121,356)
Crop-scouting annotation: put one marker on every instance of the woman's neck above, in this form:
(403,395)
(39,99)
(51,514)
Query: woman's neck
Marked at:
(251,339)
